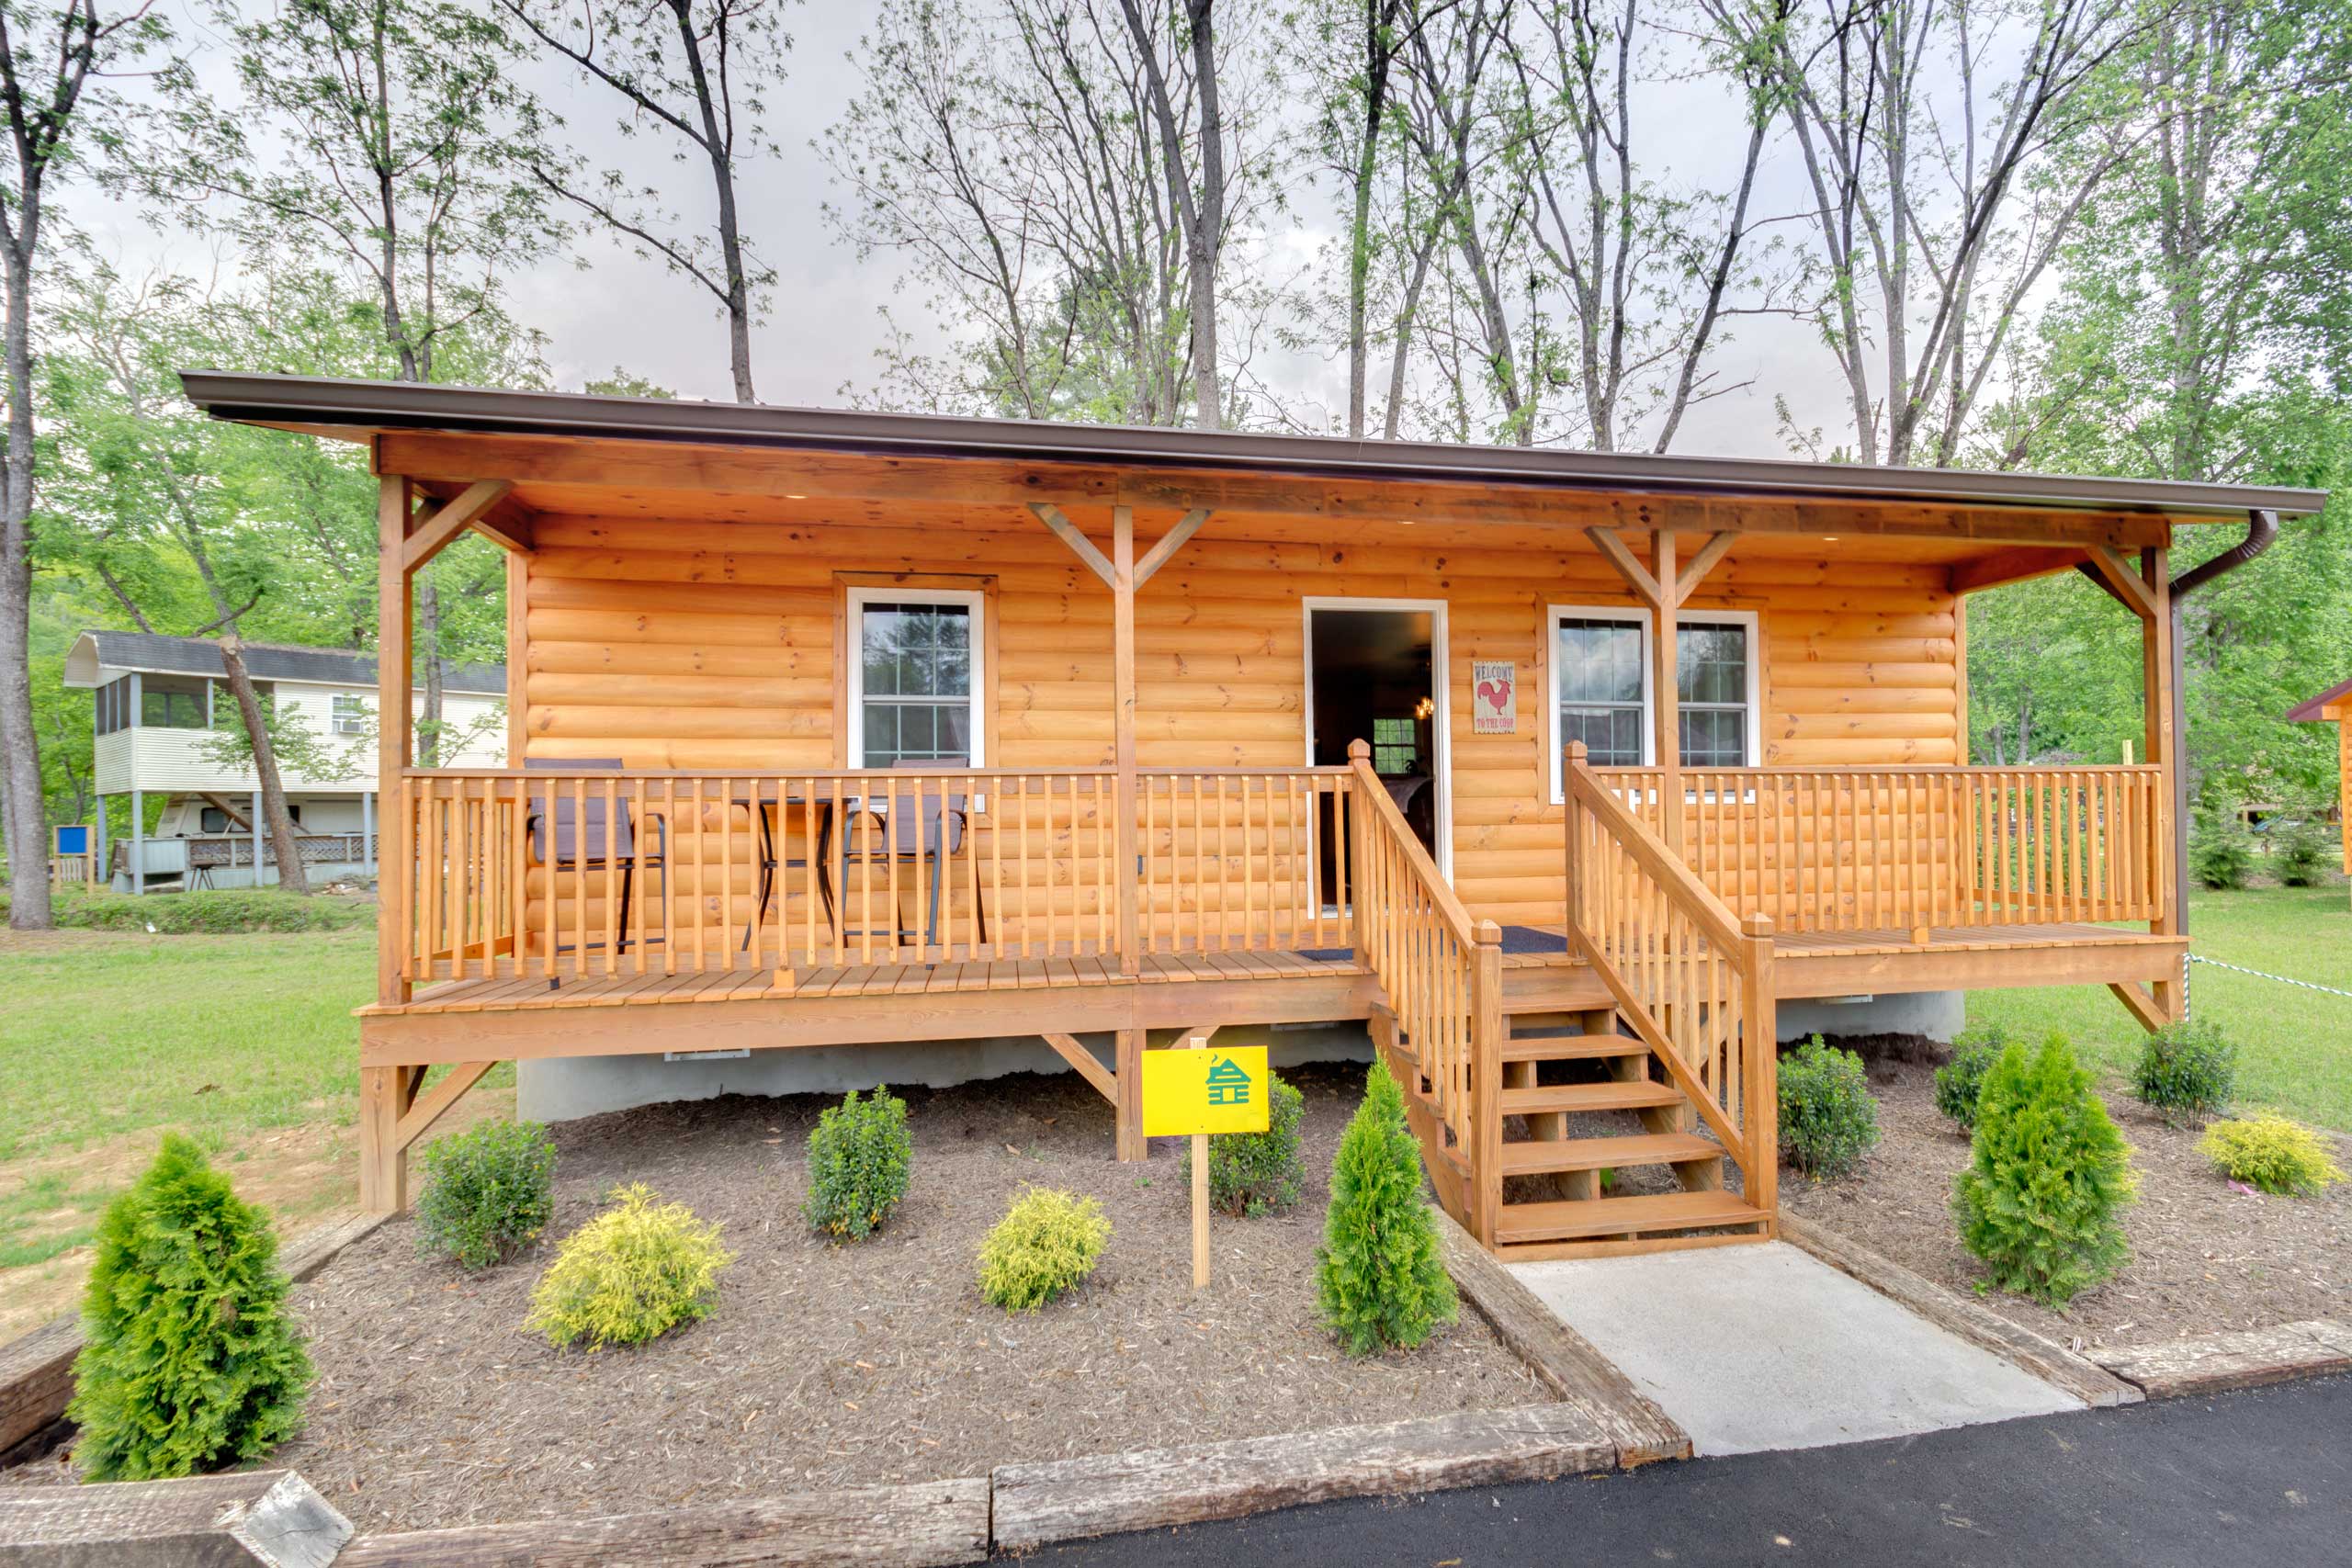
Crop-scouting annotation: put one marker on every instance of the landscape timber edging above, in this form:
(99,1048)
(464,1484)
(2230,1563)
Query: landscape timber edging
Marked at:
(271,1516)
(1979,1325)
(1562,1360)
(2246,1358)
(1036,1504)
(36,1370)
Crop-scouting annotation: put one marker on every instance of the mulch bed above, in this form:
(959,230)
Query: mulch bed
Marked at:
(2204,1258)
(832,1366)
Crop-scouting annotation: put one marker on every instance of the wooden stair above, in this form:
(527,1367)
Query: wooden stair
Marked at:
(1550,1142)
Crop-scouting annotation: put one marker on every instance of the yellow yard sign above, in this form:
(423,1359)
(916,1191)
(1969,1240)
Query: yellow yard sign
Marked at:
(1213,1090)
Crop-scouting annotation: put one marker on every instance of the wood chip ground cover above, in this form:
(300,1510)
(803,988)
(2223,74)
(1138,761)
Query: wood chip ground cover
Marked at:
(2204,1258)
(850,1366)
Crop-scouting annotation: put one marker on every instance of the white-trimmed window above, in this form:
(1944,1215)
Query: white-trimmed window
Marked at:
(1601,687)
(351,713)
(915,678)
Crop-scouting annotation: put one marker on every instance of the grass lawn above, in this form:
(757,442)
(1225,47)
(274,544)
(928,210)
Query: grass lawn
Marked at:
(107,1038)
(2295,1047)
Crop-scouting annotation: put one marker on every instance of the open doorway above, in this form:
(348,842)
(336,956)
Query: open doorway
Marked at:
(1376,672)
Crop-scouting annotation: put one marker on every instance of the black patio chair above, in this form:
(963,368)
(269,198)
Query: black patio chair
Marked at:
(579,831)
(903,828)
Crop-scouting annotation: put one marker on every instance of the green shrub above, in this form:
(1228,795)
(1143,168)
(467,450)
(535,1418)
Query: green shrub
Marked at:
(2221,850)
(631,1274)
(2271,1153)
(2050,1176)
(2300,853)
(858,1157)
(1257,1173)
(1959,1080)
(2186,1071)
(1047,1243)
(1828,1119)
(190,1363)
(229,911)
(1380,1282)
(486,1192)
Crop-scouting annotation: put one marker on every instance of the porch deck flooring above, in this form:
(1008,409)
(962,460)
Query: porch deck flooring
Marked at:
(500,993)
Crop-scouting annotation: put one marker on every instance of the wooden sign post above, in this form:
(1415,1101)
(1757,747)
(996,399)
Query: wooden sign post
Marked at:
(1197,1091)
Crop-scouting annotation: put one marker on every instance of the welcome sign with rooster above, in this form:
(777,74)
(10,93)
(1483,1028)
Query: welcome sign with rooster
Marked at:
(1494,697)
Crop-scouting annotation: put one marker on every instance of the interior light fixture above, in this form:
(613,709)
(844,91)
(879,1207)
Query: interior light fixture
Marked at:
(1425,707)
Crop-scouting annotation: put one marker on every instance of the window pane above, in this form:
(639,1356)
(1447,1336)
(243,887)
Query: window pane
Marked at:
(914,654)
(1613,736)
(881,735)
(1714,737)
(1711,663)
(1601,662)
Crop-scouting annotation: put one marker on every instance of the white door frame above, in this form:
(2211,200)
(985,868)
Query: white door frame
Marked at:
(1441,723)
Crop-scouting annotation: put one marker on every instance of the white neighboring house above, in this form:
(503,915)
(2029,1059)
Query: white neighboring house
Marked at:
(159,697)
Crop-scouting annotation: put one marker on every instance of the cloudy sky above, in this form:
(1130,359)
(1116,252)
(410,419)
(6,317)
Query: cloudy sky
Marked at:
(604,307)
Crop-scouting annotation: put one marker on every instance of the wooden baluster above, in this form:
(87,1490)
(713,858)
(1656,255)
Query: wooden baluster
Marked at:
(643,893)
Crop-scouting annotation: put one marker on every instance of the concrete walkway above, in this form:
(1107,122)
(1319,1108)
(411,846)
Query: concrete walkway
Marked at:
(1764,1347)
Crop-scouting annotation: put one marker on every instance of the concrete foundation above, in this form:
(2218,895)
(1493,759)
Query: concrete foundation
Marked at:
(1939,1015)
(561,1089)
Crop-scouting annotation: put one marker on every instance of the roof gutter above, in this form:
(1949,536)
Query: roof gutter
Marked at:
(2261,532)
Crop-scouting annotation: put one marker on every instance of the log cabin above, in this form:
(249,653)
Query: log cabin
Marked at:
(1557,772)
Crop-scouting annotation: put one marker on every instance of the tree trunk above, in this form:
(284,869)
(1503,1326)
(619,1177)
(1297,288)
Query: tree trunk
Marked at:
(282,842)
(29,908)
(1207,237)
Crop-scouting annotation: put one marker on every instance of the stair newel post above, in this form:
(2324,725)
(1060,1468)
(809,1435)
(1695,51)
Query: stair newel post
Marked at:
(1572,825)
(1487,1079)
(1759,1040)
(1359,852)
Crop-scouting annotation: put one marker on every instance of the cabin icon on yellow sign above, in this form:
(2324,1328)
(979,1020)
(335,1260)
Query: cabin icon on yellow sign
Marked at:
(1228,1082)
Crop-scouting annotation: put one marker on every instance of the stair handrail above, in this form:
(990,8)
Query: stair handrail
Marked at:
(1747,949)
(1479,943)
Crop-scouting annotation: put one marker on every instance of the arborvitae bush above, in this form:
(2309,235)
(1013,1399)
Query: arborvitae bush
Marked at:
(631,1274)
(1959,1080)
(1828,1119)
(2273,1154)
(2221,850)
(1257,1173)
(1047,1243)
(2299,855)
(2186,1071)
(858,1157)
(487,1192)
(1379,1278)
(2041,1199)
(190,1363)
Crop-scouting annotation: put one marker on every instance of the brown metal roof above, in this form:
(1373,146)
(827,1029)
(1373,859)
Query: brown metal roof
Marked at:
(364,406)
(2315,709)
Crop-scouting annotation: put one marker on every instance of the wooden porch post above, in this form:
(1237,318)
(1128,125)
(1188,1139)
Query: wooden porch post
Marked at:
(1666,691)
(1123,677)
(384,1092)
(2160,666)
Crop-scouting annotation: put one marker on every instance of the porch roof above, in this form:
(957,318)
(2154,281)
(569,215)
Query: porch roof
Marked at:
(358,410)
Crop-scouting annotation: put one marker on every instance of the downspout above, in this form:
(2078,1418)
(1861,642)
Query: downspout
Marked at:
(2261,532)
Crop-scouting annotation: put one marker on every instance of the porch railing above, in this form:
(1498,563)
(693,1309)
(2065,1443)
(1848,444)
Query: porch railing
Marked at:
(1692,979)
(568,871)
(1441,975)
(1910,848)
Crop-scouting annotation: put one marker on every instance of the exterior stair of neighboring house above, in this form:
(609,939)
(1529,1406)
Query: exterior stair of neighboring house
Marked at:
(1559,1166)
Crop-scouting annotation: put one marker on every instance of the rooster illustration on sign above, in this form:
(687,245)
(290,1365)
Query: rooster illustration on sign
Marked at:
(1496,692)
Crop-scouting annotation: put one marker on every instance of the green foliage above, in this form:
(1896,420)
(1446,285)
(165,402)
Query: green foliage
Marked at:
(2048,1178)
(191,1362)
(1257,1173)
(231,911)
(2271,1153)
(631,1274)
(1828,1119)
(858,1156)
(2221,850)
(1380,1282)
(1047,1243)
(2300,853)
(487,1192)
(1959,1080)
(2188,1071)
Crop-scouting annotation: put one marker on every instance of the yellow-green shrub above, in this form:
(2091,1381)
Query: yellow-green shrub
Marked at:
(1047,1243)
(2271,1153)
(633,1273)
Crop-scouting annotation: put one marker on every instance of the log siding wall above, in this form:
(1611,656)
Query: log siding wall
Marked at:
(717,646)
